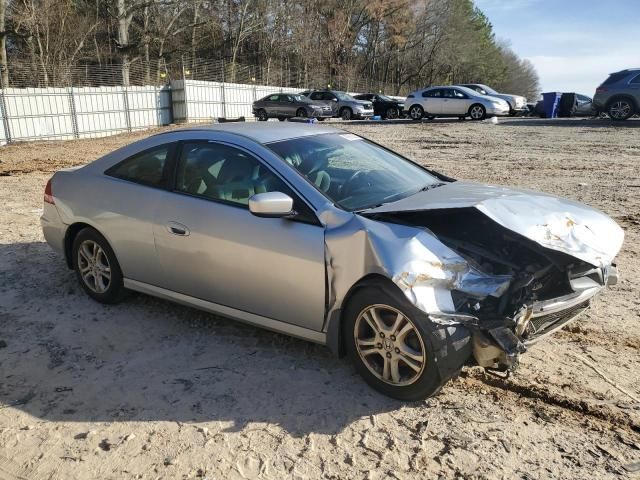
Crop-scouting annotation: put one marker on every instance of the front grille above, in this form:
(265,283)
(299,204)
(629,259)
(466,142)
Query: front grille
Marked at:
(543,324)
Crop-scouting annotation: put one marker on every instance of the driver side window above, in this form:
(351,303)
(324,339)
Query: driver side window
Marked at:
(221,172)
(227,174)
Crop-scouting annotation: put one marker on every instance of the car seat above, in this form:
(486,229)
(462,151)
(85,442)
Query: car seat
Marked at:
(313,167)
(197,179)
(238,180)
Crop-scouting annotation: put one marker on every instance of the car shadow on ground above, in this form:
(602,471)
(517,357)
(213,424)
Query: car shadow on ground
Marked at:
(68,358)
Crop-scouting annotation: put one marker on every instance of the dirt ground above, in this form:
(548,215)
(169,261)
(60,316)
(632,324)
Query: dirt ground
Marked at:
(148,389)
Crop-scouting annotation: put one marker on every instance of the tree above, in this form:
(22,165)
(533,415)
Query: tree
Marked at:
(4,67)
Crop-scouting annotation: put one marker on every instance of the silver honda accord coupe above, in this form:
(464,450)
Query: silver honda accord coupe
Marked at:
(324,235)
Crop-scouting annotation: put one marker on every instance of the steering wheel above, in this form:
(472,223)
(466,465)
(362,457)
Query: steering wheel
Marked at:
(355,177)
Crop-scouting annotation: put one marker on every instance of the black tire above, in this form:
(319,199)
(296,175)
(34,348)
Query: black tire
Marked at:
(301,112)
(416,112)
(262,115)
(282,119)
(620,108)
(475,116)
(392,113)
(346,114)
(429,381)
(115,290)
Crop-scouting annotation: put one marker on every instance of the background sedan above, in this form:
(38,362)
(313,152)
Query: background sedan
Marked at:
(288,105)
(453,102)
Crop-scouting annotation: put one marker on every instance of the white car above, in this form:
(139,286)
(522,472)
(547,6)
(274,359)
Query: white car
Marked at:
(453,101)
(517,103)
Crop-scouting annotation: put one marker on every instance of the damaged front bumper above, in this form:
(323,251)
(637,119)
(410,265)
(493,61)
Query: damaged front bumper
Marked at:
(499,348)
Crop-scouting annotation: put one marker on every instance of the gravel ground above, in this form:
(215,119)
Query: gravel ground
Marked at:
(149,389)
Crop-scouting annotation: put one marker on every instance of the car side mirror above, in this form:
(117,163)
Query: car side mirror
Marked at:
(271,205)
(334,100)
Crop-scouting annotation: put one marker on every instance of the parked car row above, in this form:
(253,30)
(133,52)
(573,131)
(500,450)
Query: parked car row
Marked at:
(476,101)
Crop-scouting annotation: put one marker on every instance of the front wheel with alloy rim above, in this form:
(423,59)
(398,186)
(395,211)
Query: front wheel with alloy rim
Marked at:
(346,113)
(391,345)
(620,109)
(96,267)
(477,112)
(392,113)
(302,113)
(262,115)
(416,112)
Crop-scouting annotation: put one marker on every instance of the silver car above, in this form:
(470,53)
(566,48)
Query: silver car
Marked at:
(517,103)
(321,234)
(458,102)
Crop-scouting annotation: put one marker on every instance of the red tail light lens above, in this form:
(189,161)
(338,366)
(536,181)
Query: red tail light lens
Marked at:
(48,194)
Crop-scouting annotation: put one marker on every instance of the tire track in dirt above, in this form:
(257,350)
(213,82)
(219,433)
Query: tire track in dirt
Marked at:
(475,378)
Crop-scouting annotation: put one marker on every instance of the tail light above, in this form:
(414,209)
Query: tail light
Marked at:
(601,90)
(48,194)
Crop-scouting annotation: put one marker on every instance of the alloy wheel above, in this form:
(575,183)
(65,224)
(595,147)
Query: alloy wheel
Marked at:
(477,112)
(94,266)
(392,113)
(620,110)
(389,345)
(415,113)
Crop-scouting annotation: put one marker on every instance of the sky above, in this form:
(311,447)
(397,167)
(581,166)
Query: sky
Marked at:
(574,44)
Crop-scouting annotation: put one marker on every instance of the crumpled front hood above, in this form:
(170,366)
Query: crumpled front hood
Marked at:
(555,223)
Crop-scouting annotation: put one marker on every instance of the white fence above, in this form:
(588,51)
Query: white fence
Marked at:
(67,113)
(87,112)
(197,101)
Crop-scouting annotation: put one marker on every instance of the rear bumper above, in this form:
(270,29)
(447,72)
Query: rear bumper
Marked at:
(53,228)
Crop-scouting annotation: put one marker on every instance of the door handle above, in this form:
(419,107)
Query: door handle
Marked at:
(177,229)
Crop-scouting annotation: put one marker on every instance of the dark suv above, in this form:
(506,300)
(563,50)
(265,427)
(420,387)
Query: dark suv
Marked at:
(386,107)
(619,95)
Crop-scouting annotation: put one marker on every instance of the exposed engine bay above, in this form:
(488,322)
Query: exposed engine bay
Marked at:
(534,276)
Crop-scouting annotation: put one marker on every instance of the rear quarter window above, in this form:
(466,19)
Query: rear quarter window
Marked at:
(146,168)
(615,78)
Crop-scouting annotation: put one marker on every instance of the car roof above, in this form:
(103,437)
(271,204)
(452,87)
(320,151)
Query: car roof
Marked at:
(263,132)
(626,70)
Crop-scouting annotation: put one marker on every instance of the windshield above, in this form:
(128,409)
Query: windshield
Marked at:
(344,96)
(353,173)
(490,91)
(385,98)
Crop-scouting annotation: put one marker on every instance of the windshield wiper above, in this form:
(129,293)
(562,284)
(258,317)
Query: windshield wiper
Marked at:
(430,186)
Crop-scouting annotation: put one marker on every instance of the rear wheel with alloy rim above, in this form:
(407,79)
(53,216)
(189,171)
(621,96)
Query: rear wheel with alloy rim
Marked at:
(391,346)
(416,112)
(346,113)
(477,112)
(96,267)
(620,109)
